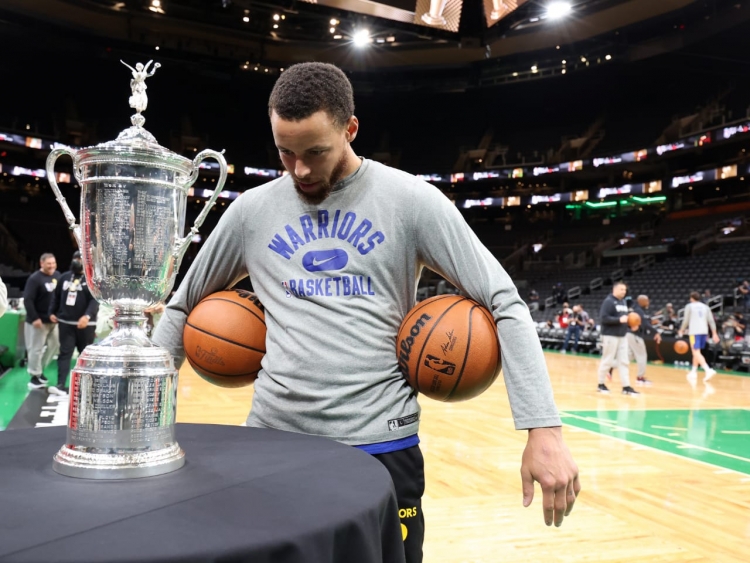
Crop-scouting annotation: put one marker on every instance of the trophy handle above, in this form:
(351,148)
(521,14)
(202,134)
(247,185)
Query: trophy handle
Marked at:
(53,156)
(182,244)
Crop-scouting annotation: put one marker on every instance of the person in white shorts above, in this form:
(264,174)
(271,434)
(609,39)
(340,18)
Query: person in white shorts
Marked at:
(698,319)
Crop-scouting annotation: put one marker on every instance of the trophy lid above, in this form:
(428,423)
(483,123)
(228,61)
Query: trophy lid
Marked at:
(135,145)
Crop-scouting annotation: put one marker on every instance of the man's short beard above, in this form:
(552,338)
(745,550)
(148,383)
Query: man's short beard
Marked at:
(326,186)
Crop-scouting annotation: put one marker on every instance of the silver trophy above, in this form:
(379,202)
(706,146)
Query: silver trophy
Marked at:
(123,390)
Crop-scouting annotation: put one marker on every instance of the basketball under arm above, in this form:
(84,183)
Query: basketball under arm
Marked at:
(219,265)
(447,245)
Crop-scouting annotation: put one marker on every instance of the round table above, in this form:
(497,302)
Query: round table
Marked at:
(245,494)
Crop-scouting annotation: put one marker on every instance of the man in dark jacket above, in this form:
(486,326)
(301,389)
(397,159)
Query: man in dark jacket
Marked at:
(636,343)
(613,318)
(40,333)
(74,309)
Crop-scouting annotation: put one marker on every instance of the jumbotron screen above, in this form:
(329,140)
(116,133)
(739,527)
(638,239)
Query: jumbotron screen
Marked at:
(495,10)
(438,14)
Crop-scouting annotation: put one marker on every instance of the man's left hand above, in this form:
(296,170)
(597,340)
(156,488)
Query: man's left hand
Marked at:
(83,322)
(547,460)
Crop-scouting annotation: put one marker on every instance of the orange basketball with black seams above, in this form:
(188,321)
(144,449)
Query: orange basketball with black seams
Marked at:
(225,338)
(634,320)
(681,347)
(447,348)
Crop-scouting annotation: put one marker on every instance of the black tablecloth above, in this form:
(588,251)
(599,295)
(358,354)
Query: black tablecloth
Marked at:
(245,494)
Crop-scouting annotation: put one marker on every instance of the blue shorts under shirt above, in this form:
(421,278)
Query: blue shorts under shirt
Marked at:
(390,446)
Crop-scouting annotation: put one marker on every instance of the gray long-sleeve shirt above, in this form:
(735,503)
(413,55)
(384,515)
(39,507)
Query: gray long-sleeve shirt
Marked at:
(336,280)
(698,318)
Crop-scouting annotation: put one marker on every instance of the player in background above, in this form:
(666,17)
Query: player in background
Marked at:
(698,319)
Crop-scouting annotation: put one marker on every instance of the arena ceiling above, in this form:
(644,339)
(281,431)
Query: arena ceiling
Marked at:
(403,34)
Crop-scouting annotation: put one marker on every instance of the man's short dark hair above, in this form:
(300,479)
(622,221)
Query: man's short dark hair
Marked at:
(46,256)
(307,88)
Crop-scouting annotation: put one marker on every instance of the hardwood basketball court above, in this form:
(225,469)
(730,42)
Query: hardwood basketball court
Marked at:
(666,476)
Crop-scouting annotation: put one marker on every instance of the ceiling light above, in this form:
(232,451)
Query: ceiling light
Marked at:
(332,30)
(564,71)
(583,59)
(334,21)
(361,37)
(390,39)
(380,40)
(557,10)
(283,17)
(246,19)
(565,62)
(608,57)
(156,3)
(337,36)
(157,47)
(534,69)
(276,26)
(276,17)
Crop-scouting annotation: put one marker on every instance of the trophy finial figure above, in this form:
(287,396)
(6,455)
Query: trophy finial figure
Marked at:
(138,100)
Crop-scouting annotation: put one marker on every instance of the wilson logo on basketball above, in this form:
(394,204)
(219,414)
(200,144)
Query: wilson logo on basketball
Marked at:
(207,357)
(250,296)
(408,342)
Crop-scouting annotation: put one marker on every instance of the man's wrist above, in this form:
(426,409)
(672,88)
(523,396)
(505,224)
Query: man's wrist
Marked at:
(555,429)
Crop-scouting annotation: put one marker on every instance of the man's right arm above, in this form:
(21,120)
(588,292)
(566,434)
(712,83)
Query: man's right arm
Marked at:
(685,320)
(219,265)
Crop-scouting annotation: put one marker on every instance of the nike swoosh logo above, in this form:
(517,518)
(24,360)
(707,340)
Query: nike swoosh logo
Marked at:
(325,260)
(316,262)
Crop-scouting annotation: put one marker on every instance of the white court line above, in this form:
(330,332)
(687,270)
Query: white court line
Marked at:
(735,432)
(679,444)
(678,456)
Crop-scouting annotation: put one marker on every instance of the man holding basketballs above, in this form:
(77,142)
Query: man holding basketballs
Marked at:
(334,251)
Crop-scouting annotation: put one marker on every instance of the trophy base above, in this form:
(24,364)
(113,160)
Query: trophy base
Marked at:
(430,20)
(73,463)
